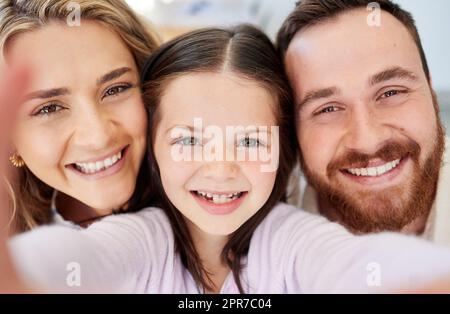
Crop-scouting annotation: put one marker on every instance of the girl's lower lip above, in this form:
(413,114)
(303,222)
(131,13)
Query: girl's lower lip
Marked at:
(104,173)
(219,209)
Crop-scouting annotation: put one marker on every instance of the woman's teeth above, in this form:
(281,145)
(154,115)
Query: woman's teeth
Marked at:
(93,167)
(374,171)
(219,198)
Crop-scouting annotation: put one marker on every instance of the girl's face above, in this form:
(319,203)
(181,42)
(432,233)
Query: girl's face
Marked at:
(82,128)
(202,174)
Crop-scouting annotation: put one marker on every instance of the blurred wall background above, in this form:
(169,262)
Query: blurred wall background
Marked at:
(173,17)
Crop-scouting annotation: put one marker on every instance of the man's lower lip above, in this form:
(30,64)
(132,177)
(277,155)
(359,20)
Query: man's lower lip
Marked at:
(385,178)
(104,173)
(219,209)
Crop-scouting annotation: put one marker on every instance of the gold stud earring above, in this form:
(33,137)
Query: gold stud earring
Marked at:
(17,161)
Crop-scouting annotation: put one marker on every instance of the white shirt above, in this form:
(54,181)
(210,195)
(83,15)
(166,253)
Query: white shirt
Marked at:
(291,251)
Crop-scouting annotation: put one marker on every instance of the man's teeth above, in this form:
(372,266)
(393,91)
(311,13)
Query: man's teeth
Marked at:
(219,198)
(374,171)
(93,167)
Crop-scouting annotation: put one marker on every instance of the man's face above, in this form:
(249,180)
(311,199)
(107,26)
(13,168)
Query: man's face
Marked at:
(368,127)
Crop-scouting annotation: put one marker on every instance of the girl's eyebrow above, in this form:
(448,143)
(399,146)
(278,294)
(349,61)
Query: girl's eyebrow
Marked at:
(242,131)
(184,127)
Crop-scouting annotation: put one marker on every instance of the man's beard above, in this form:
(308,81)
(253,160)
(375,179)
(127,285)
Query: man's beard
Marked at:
(389,209)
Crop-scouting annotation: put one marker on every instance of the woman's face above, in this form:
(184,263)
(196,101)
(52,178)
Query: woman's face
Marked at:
(211,135)
(82,128)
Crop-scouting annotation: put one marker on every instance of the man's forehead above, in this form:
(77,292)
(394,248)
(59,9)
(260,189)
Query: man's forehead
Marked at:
(340,46)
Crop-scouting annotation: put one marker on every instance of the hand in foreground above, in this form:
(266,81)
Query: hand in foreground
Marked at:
(13,82)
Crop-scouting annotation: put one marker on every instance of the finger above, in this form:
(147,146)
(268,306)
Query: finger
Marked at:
(13,82)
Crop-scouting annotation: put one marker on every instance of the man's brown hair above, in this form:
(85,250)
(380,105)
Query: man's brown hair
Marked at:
(308,13)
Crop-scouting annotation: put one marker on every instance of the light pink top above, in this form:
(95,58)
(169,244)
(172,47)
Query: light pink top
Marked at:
(291,252)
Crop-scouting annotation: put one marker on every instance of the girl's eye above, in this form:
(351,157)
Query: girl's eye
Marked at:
(48,110)
(188,141)
(329,109)
(114,91)
(249,142)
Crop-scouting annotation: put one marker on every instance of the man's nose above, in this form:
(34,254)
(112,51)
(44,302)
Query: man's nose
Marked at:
(366,131)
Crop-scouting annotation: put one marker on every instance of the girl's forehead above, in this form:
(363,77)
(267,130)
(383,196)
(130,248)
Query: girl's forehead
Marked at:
(218,98)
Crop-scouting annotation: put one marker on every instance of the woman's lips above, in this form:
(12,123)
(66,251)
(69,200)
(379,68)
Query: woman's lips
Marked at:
(103,173)
(220,206)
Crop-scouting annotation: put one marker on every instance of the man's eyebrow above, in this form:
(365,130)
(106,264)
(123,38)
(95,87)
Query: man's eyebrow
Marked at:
(113,75)
(392,73)
(49,93)
(318,94)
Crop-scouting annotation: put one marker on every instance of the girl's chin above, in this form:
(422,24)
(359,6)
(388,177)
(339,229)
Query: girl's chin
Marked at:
(218,230)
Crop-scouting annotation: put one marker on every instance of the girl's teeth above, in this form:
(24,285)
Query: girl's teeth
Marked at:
(219,198)
(374,171)
(92,167)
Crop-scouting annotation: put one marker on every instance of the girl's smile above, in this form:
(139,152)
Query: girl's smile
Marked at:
(219,203)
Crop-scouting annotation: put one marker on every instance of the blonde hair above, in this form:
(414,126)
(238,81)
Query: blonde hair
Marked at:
(30,196)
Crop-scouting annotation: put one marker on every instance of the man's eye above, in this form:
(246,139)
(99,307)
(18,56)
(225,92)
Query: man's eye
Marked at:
(113,91)
(188,141)
(48,110)
(328,109)
(249,142)
(390,93)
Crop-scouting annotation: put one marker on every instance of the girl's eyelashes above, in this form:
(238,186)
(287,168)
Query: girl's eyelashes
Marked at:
(187,141)
(250,142)
(192,141)
(116,90)
(48,109)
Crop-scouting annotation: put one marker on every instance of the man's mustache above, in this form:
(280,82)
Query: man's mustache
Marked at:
(392,150)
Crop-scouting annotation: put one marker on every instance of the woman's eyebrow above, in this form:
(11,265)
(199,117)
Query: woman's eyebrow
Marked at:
(49,93)
(55,92)
(113,75)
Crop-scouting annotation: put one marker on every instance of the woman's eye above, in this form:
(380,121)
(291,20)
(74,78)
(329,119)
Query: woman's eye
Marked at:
(113,91)
(48,110)
(188,141)
(249,142)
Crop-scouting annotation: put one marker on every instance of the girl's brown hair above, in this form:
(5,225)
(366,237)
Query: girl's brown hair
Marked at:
(32,197)
(244,51)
